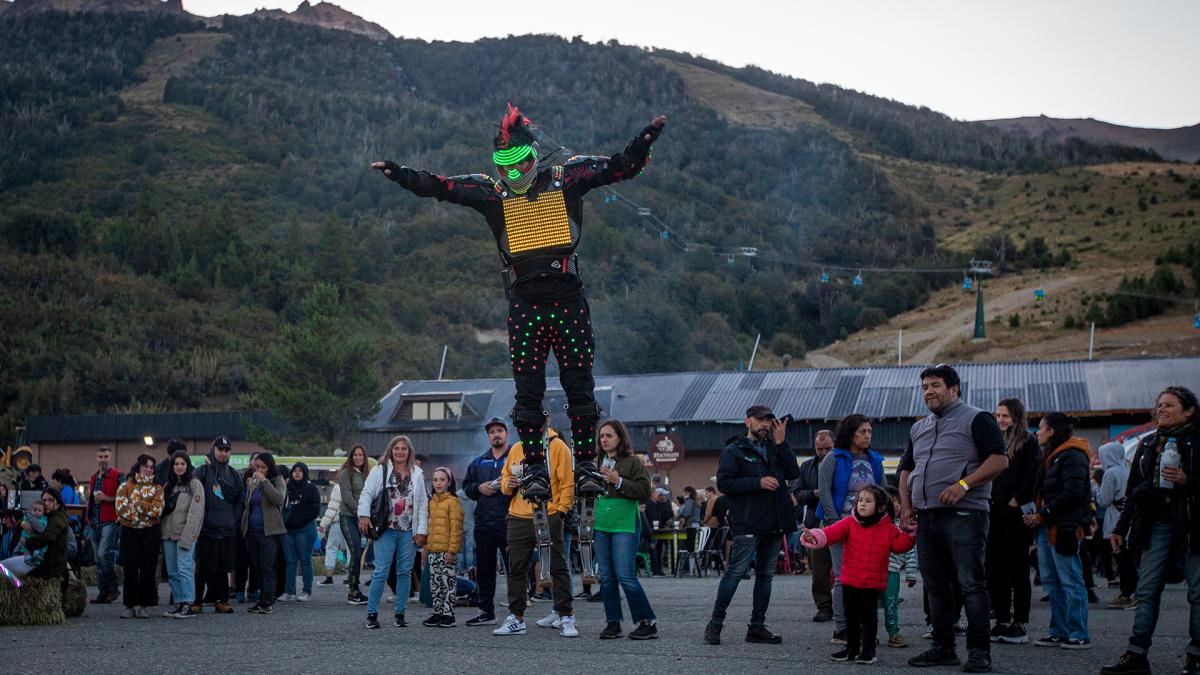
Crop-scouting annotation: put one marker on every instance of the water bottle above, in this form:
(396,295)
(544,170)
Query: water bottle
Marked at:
(1170,460)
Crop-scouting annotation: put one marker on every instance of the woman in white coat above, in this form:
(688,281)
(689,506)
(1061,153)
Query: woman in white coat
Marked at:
(407,523)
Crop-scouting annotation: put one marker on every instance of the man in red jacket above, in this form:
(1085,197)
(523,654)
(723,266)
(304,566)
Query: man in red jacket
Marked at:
(102,521)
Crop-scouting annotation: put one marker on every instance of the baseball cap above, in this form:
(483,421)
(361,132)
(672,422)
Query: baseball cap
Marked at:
(222,442)
(759,411)
(494,421)
(663,491)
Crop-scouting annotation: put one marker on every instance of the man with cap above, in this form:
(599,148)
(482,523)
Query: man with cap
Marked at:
(535,213)
(659,513)
(215,547)
(753,473)
(482,484)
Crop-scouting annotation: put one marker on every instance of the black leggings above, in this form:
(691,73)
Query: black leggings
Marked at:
(862,618)
(1008,565)
(534,330)
(139,556)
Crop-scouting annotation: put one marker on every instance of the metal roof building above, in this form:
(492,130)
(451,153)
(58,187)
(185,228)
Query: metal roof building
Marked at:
(706,407)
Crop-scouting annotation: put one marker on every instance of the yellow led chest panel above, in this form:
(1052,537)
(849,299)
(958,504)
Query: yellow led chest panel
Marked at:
(538,224)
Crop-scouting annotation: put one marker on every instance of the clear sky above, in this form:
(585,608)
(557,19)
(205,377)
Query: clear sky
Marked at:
(1132,62)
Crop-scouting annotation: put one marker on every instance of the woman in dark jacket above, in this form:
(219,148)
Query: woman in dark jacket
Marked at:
(1063,502)
(300,512)
(54,538)
(1008,537)
(1161,519)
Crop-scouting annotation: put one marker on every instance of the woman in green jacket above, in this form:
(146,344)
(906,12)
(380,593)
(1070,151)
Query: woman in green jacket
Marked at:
(617,526)
(350,479)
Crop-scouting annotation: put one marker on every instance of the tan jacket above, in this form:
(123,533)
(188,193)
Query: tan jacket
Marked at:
(274,492)
(445,524)
(184,523)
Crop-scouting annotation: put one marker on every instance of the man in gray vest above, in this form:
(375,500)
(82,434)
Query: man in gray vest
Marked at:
(945,483)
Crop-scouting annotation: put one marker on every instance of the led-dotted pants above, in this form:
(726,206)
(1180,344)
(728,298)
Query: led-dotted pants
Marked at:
(534,329)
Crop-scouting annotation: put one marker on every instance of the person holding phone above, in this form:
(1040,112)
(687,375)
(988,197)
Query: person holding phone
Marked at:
(752,470)
(618,532)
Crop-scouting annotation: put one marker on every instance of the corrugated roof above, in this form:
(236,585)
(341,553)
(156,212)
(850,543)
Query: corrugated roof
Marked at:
(830,393)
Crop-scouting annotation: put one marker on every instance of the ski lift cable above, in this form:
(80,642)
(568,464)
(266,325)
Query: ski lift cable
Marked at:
(679,242)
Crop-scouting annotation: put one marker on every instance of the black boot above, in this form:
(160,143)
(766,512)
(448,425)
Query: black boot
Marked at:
(535,483)
(1130,663)
(761,635)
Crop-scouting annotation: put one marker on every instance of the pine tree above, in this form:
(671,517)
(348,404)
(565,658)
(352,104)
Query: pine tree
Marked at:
(325,376)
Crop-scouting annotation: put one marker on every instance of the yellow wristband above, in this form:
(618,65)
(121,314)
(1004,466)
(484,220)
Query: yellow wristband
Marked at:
(963,484)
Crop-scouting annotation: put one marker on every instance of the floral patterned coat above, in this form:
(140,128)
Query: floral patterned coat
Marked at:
(139,502)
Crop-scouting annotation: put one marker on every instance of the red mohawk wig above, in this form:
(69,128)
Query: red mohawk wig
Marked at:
(513,130)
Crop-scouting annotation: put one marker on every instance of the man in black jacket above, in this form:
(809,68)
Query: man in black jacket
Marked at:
(482,484)
(215,549)
(808,495)
(752,471)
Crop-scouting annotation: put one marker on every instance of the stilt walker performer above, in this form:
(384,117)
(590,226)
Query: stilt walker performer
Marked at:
(535,213)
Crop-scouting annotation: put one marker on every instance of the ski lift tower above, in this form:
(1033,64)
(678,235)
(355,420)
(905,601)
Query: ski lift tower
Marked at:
(979,269)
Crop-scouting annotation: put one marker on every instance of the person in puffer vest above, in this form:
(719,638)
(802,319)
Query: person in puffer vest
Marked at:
(443,546)
(870,537)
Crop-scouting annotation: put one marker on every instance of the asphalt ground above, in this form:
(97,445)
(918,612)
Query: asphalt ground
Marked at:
(327,635)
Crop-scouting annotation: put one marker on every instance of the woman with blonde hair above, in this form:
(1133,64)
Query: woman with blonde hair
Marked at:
(401,482)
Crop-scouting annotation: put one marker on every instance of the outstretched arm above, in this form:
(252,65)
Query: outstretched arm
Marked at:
(587,173)
(472,190)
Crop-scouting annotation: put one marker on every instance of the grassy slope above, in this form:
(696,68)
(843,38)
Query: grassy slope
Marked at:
(1068,208)
(968,206)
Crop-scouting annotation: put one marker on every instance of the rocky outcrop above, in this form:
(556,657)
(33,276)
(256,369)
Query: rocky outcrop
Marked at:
(328,15)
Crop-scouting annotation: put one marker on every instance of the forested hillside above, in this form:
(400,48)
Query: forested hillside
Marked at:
(154,247)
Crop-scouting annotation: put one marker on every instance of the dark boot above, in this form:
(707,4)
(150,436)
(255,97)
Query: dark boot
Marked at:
(1130,663)
(761,635)
(712,634)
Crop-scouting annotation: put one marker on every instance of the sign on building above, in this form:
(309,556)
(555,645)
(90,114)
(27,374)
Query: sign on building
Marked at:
(666,450)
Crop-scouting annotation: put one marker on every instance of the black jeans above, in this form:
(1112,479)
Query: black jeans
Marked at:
(262,551)
(862,618)
(764,549)
(489,539)
(950,545)
(1008,564)
(139,556)
(1127,564)
(534,329)
(350,533)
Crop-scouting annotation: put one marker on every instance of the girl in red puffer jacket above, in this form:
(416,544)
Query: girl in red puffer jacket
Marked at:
(870,537)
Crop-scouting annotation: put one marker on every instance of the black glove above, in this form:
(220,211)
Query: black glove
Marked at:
(391,169)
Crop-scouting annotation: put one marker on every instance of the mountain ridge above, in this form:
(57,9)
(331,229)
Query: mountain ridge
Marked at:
(1180,143)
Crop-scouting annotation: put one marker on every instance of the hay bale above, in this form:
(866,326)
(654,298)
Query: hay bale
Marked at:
(90,576)
(75,601)
(38,602)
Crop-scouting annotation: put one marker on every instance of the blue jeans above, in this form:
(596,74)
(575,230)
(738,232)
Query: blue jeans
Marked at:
(950,545)
(1151,580)
(1062,579)
(298,548)
(764,549)
(393,545)
(104,539)
(616,554)
(179,570)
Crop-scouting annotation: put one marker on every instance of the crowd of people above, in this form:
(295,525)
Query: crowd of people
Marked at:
(975,494)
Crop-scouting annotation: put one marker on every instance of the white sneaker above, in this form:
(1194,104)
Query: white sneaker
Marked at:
(303,597)
(511,626)
(391,597)
(568,626)
(551,620)
(287,597)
